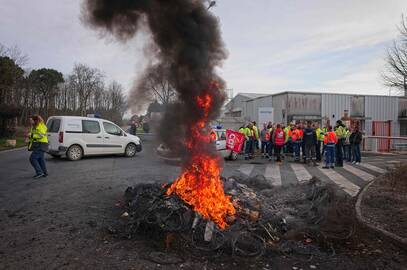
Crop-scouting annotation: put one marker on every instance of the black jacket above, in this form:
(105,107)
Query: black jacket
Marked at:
(357,137)
(310,136)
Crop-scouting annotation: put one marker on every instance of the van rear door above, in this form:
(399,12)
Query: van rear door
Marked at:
(53,126)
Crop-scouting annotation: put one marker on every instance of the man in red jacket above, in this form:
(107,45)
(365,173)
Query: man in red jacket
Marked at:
(278,141)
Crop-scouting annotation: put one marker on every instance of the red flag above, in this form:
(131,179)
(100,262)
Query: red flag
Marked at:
(234,140)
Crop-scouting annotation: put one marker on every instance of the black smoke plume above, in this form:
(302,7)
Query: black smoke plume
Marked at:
(188,43)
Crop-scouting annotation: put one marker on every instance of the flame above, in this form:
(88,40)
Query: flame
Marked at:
(200,184)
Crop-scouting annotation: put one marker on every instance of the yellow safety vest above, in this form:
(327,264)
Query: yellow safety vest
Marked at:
(340,132)
(248,132)
(286,131)
(38,134)
(243,131)
(256,132)
(320,134)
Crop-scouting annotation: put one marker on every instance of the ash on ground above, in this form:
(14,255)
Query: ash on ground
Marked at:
(307,219)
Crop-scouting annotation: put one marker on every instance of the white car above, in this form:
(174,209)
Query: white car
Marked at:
(76,136)
(219,136)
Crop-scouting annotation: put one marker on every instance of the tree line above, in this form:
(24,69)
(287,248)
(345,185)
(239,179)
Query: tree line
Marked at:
(48,92)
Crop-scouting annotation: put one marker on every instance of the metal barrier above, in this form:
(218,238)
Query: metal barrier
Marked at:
(384,144)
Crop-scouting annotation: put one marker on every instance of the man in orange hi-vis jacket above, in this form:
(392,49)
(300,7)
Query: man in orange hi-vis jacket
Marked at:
(330,141)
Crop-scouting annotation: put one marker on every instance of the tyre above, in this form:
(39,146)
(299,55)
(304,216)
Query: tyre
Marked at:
(130,150)
(74,152)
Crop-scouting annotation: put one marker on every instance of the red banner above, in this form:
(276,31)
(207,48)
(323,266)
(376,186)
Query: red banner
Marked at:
(234,140)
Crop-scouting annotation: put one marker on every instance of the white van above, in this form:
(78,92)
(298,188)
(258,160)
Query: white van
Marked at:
(76,136)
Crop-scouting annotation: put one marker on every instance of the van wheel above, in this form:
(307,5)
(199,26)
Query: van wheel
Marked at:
(130,150)
(74,152)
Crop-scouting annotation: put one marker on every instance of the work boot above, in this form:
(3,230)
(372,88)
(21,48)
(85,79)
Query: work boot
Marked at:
(38,176)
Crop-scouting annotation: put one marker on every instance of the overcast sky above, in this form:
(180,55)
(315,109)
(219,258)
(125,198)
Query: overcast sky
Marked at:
(310,45)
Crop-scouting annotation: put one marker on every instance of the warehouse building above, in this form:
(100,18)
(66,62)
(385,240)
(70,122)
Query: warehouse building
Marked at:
(376,115)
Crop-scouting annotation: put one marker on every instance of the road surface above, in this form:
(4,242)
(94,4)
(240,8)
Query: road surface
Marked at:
(60,222)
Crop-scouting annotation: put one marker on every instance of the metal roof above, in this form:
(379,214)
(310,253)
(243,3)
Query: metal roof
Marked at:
(258,96)
(252,95)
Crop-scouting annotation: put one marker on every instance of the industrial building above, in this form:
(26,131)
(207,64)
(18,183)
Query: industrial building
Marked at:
(376,115)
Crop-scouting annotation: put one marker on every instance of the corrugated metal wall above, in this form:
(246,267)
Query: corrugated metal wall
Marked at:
(381,108)
(333,106)
(279,104)
(304,104)
(249,111)
(378,108)
(252,107)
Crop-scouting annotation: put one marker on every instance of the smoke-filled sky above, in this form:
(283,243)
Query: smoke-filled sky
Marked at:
(273,45)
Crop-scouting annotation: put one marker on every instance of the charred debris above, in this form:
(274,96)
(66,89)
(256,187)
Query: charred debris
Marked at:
(305,219)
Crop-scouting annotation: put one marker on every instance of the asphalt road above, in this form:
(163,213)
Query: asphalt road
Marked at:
(59,222)
(55,222)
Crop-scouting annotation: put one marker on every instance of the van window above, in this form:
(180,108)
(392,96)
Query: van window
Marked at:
(53,125)
(89,126)
(112,129)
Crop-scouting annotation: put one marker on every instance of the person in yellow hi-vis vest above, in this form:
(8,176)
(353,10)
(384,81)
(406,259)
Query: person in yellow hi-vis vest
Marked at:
(256,137)
(340,132)
(320,140)
(38,144)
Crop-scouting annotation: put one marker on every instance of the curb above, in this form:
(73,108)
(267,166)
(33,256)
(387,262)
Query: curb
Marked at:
(402,242)
(370,153)
(12,150)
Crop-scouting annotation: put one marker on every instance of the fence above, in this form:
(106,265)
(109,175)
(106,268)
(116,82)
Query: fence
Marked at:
(384,144)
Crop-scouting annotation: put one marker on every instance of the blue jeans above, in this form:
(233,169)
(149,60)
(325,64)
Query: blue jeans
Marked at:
(347,152)
(248,148)
(264,148)
(356,153)
(270,149)
(296,150)
(330,154)
(339,153)
(38,162)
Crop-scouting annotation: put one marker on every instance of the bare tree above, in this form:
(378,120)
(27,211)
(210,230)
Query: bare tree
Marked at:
(395,73)
(156,85)
(85,81)
(15,53)
(118,101)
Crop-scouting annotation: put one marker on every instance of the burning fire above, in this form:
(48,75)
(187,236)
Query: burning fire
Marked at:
(200,184)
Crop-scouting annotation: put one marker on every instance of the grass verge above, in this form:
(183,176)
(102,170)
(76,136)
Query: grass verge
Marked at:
(19,143)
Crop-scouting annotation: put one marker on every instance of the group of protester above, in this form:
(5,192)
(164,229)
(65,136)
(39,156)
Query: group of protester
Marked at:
(306,142)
